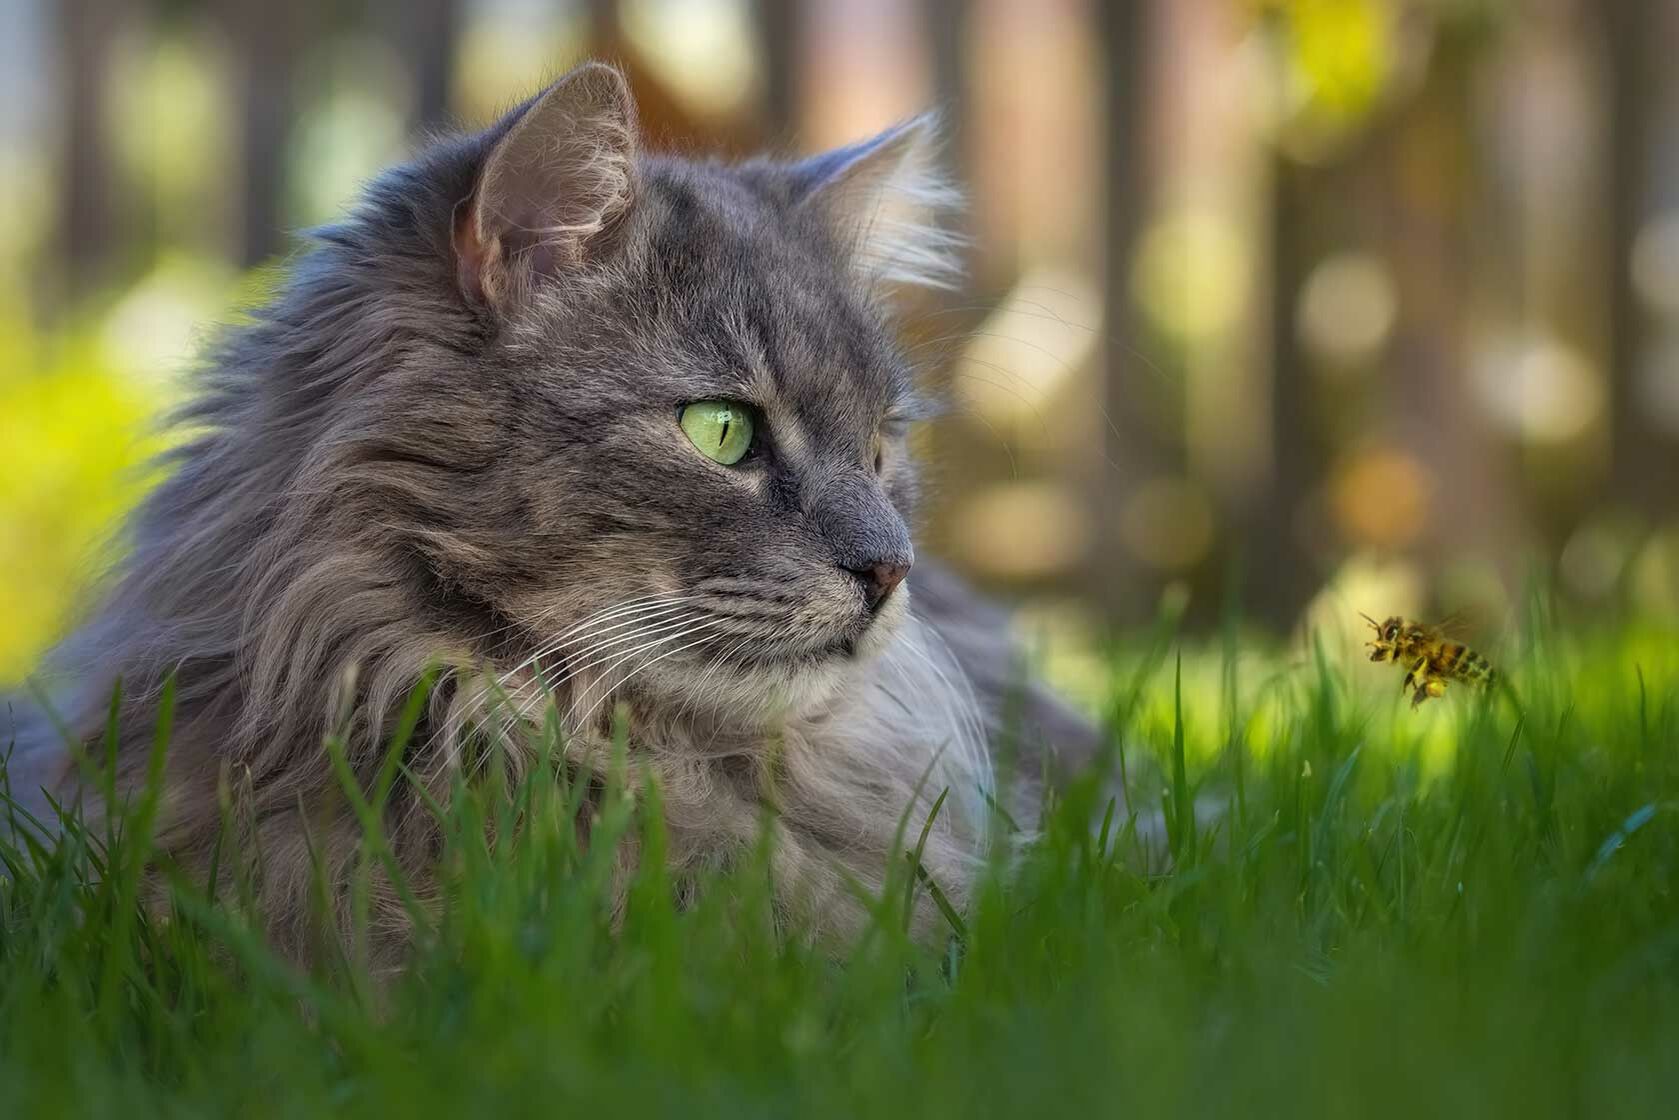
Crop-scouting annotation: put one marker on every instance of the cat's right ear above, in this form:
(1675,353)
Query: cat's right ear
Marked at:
(885,197)
(553,190)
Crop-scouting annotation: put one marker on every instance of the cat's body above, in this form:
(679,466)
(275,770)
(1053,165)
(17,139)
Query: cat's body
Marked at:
(452,438)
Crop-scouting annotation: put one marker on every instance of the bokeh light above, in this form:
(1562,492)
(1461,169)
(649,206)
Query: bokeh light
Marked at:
(1655,263)
(1022,530)
(1168,523)
(1028,349)
(171,110)
(704,49)
(1347,309)
(1655,576)
(504,42)
(1596,555)
(159,326)
(1538,388)
(1191,274)
(351,125)
(1381,498)
(1371,583)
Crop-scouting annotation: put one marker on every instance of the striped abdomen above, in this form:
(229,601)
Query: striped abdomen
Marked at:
(1460,663)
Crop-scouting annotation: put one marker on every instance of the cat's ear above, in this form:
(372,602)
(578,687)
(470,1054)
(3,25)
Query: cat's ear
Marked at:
(553,189)
(885,197)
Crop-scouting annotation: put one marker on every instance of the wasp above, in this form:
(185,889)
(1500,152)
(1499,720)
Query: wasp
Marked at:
(1429,656)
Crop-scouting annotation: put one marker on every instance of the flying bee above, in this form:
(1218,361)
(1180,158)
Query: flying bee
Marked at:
(1430,658)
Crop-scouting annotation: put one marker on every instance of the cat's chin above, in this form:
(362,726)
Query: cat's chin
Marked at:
(766,691)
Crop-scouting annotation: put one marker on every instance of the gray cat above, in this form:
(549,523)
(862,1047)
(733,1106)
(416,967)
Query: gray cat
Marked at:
(597,431)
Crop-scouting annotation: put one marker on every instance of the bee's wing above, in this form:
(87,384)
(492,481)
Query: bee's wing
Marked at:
(1454,625)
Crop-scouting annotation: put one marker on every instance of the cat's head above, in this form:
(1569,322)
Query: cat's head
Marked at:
(672,447)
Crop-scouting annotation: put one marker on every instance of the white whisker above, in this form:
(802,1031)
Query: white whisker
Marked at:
(643,668)
(968,761)
(638,612)
(584,659)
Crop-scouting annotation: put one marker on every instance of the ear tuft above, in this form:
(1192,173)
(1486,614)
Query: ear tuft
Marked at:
(553,188)
(886,197)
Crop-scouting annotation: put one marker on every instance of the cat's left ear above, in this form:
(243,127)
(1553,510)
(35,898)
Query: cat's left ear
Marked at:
(885,198)
(553,190)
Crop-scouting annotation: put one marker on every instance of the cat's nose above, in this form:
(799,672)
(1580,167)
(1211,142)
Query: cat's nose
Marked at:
(879,579)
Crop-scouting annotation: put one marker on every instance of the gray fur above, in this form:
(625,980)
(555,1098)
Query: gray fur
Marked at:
(451,437)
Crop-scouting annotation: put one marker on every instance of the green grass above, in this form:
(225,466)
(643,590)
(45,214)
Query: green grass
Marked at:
(1469,910)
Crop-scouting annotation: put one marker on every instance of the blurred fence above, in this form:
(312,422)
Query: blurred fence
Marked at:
(1306,299)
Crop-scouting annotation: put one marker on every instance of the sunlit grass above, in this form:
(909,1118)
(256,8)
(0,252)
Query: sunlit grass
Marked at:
(1363,930)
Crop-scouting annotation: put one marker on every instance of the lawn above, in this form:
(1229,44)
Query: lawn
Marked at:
(1465,910)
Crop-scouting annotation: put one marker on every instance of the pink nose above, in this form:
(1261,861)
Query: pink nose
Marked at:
(878,580)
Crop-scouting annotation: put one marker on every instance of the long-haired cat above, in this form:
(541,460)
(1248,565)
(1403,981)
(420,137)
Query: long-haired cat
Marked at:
(595,430)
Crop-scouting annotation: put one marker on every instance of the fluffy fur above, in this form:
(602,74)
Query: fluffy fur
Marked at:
(451,439)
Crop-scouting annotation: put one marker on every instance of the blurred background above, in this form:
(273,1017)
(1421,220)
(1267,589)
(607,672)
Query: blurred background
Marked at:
(1313,306)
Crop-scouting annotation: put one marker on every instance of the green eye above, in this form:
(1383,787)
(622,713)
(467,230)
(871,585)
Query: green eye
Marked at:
(721,429)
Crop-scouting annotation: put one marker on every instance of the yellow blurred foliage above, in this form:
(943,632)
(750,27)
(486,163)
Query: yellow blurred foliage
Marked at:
(74,449)
(1341,52)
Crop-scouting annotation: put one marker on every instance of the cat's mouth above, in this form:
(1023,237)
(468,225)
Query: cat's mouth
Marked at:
(841,647)
(862,638)
(851,643)
(790,648)
(788,669)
